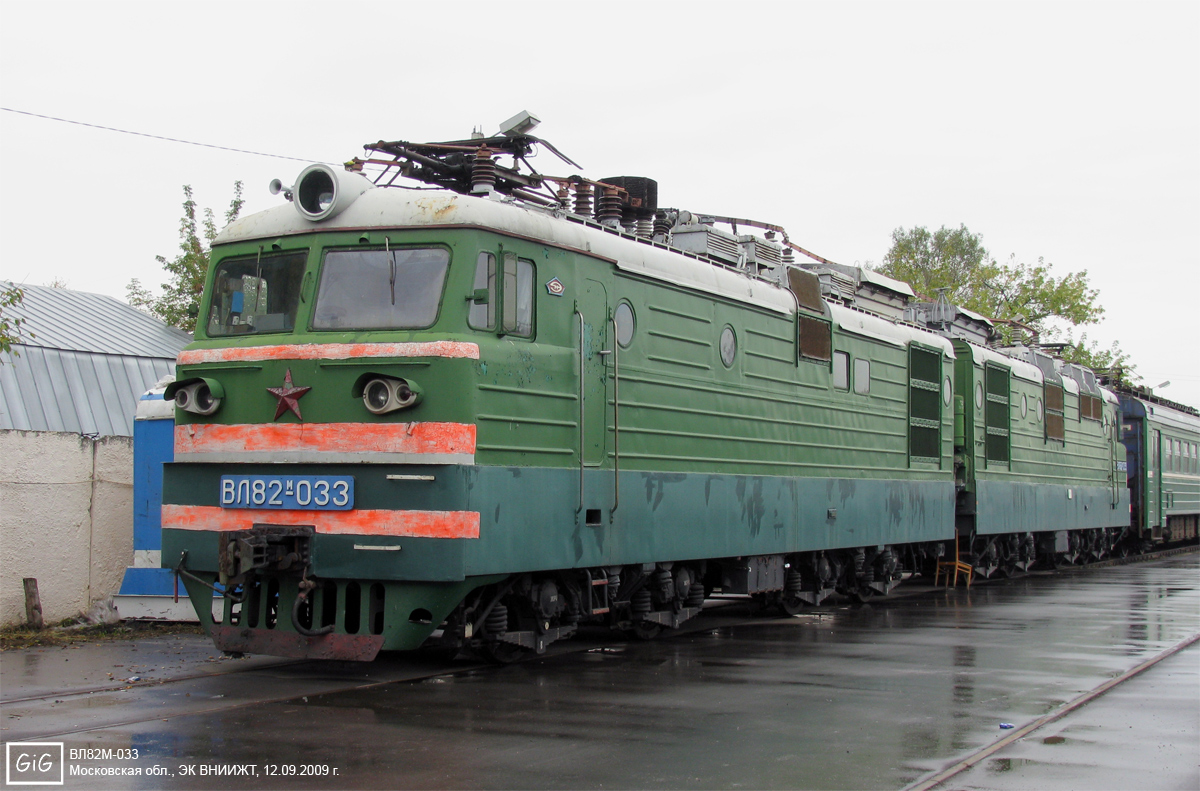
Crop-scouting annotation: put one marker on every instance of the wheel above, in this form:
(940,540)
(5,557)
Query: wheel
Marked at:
(502,653)
(646,630)
(792,605)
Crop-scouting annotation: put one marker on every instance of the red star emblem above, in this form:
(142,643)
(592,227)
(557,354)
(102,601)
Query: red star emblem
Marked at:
(289,396)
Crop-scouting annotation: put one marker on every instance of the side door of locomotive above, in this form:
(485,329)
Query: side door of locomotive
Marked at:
(592,320)
(1112,433)
(1154,485)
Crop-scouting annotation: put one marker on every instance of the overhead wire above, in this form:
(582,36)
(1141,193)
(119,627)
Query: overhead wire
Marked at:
(162,137)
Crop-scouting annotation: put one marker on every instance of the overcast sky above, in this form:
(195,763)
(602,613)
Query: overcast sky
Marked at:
(1069,131)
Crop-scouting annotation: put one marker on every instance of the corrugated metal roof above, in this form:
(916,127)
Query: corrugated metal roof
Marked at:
(80,322)
(92,359)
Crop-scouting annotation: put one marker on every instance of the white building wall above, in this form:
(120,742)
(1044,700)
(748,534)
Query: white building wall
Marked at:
(66,518)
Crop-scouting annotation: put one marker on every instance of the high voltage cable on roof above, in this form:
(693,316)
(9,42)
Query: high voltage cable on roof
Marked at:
(160,137)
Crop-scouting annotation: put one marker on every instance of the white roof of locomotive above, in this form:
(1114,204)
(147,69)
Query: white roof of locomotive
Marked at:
(869,325)
(395,208)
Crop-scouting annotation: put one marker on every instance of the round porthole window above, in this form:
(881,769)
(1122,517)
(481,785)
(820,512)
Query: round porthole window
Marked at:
(1040,413)
(947,390)
(624,319)
(979,395)
(728,346)
(1024,405)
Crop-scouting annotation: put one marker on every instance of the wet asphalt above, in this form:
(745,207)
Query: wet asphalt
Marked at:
(874,696)
(1144,734)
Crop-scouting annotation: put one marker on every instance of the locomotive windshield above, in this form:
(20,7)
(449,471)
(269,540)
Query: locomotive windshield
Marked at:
(256,295)
(381,289)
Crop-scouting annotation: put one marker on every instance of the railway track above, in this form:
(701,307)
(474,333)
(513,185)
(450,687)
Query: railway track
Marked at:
(957,768)
(197,693)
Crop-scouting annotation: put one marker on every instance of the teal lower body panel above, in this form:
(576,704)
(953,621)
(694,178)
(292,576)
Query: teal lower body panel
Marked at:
(1016,507)
(530,517)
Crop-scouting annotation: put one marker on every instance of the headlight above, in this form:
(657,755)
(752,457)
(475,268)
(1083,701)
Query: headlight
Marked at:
(198,398)
(315,192)
(384,394)
(322,191)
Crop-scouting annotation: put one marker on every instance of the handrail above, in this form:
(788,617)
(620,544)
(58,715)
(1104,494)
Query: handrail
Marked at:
(616,419)
(581,410)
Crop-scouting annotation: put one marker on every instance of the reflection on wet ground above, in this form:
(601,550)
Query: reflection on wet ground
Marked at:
(1143,734)
(852,697)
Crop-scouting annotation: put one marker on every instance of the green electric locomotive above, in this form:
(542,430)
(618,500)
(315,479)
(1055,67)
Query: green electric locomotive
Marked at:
(484,414)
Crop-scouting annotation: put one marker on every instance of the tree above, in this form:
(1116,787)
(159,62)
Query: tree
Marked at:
(1015,290)
(957,261)
(1091,354)
(180,296)
(1029,294)
(10,326)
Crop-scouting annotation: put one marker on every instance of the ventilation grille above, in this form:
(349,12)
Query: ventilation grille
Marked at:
(758,251)
(807,288)
(708,241)
(816,341)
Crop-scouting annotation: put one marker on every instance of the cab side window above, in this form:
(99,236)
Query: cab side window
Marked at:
(862,376)
(841,371)
(518,296)
(482,315)
(502,297)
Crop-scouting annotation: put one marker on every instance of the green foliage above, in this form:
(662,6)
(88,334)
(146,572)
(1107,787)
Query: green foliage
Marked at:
(957,261)
(1019,290)
(1029,294)
(10,325)
(180,298)
(1091,354)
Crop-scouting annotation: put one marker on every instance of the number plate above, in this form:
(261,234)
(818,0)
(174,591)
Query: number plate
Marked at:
(309,492)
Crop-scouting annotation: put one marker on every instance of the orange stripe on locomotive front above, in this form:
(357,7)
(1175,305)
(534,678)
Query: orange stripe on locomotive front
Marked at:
(364,522)
(409,438)
(330,351)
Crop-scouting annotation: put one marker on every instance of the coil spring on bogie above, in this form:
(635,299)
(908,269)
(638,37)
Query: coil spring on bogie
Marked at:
(497,620)
(614,587)
(794,582)
(640,602)
(886,562)
(695,597)
(863,570)
(665,583)
(483,172)
(609,212)
(583,200)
